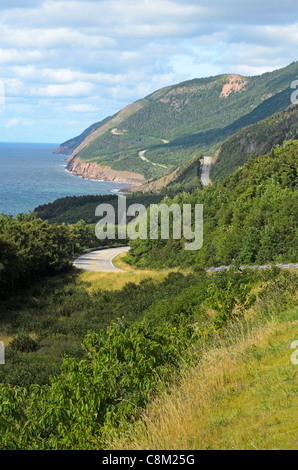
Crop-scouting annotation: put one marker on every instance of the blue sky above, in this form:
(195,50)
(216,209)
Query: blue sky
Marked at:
(67,64)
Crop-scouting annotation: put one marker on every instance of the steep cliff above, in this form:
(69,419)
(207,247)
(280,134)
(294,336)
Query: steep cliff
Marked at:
(102,173)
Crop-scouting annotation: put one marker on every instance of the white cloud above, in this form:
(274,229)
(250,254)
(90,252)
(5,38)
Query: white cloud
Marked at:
(82,108)
(68,90)
(12,122)
(55,37)
(106,14)
(95,56)
(12,56)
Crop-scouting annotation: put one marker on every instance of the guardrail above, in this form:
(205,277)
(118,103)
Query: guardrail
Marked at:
(264,266)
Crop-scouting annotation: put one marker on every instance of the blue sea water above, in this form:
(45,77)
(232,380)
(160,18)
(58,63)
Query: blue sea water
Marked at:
(31,175)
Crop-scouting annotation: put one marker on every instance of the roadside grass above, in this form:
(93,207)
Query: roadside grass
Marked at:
(117,280)
(4,337)
(242,395)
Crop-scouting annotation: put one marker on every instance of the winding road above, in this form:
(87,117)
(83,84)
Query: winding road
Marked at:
(142,157)
(100,260)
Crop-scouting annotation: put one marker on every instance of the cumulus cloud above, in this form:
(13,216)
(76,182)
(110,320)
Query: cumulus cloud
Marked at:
(65,90)
(56,53)
(82,108)
(12,122)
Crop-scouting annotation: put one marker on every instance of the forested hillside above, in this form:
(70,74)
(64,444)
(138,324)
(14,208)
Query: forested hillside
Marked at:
(73,209)
(255,140)
(175,123)
(250,217)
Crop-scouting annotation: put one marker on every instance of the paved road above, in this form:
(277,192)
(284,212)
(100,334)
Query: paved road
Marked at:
(101,260)
(205,178)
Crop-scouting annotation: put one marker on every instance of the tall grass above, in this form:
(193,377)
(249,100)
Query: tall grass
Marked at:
(242,394)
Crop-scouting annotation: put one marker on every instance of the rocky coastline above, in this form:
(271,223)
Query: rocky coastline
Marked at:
(96,172)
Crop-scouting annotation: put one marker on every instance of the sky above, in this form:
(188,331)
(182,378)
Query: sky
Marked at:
(65,64)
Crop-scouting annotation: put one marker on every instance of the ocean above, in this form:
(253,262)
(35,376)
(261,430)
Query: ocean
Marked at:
(31,175)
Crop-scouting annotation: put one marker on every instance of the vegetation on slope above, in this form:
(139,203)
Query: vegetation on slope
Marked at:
(255,140)
(193,116)
(30,249)
(57,312)
(73,209)
(249,218)
(124,365)
(186,177)
(242,395)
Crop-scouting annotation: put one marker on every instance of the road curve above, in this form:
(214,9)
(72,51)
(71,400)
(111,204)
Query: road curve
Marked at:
(100,260)
(142,157)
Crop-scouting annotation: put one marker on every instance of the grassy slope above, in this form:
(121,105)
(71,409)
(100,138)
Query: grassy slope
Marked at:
(58,312)
(192,116)
(113,281)
(65,314)
(241,395)
(255,140)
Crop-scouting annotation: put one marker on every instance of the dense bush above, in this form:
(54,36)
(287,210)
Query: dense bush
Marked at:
(126,363)
(24,343)
(74,209)
(31,248)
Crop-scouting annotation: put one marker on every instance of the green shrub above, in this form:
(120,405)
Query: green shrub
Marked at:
(24,343)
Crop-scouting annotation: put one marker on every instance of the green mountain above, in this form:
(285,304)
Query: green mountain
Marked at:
(255,140)
(185,177)
(155,134)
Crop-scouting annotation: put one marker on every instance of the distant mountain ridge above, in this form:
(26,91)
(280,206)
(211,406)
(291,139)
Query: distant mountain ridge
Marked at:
(176,123)
(70,145)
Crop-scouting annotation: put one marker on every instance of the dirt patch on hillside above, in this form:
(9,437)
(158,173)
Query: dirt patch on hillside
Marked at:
(235,84)
(118,131)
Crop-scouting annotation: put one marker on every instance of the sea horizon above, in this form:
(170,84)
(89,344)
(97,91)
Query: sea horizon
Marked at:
(31,175)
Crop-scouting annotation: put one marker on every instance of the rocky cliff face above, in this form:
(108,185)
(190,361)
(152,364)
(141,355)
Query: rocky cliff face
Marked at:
(100,173)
